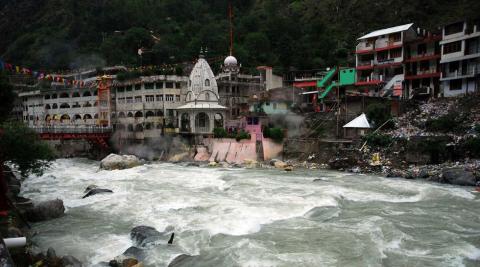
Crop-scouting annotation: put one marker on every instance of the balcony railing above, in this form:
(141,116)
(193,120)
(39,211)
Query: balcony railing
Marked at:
(382,44)
(72,129)
(364,47)
(470,71)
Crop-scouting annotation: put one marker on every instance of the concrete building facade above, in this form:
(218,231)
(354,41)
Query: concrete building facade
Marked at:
(460,48)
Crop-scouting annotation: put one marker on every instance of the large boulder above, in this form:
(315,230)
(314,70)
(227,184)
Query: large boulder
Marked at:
(182,260)
(45,211)
(458,176)
(70,261)
(145,235)
(180,157)
(119,162)
(202,154)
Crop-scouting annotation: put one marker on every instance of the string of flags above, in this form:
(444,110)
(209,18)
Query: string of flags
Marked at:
(39,74)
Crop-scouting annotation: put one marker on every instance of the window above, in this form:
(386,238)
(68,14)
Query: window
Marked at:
(129,100)
(452,47)
(454,28)
(169,97)
(64,95)
(456,84)
(76,94)
(207,82)
(87,93)
(54,96)
(177,98)
(177,85)
(394,53)
(207,96)
(128,88)
(422,49)
(168,85)
(159,98)
(453,66)
(121,100)
(424,65)
(148,86)
(382,56)
(120,89)
(47,96)
(149,98)
(138,86)
(138,99)
(159,85)
(395,37)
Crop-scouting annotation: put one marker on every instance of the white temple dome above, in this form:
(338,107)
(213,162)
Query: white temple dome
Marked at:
(230,60)
(202,85)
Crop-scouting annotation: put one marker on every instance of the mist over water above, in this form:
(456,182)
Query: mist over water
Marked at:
(241,217)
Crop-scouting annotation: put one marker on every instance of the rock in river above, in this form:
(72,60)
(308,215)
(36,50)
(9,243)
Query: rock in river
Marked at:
(458,176)
(45,211)
(97,191)
(119,162)
(145,235)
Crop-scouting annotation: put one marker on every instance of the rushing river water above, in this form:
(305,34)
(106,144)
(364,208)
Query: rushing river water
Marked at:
(244,217)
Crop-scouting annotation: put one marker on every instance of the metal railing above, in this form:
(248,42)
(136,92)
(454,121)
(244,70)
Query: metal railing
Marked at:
(72,129)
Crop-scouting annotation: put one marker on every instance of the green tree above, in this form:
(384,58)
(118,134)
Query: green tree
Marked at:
(19,144)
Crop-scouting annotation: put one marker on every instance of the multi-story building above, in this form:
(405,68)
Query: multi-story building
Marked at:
(422,65)
(145,107)
(235,88)
(380,60)
(460,59)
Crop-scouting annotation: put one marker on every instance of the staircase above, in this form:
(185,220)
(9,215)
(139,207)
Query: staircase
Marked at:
(388,88)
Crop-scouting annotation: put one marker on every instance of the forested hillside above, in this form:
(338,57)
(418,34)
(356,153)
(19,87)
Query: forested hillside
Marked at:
(302,34)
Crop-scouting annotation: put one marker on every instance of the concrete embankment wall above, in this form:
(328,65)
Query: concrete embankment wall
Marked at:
(232,151)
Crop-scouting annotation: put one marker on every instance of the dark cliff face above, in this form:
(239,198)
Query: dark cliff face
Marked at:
(302,34)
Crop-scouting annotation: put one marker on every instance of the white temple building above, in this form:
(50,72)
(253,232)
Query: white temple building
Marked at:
(201,113)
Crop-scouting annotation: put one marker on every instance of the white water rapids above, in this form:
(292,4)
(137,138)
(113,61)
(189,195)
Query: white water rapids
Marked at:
(257,217)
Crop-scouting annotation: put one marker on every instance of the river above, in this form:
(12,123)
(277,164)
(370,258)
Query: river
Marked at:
(259,217)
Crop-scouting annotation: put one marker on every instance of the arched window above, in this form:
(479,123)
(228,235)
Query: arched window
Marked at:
(207,96)
(95,116)
(54,96)
(76,94)
(202,122)
(185,122)
(139,128)
(138,114)
(54,106)
(121,115)
(160,113)
(149,114)
(87,104)
(64,105)
(207,82)
(64,118)
(113,116)
(47,106)
(47,96)
(64,95)
(130,115)
(87,117)
(218,120)
(48,117)
(87,93)
(77,117)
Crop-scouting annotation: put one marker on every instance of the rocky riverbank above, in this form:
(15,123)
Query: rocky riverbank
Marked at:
(16,224)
